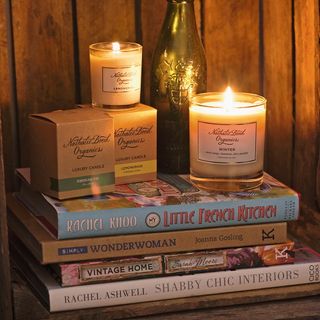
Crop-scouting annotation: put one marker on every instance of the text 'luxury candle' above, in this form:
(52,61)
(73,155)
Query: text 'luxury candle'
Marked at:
(227,133)
(115,73)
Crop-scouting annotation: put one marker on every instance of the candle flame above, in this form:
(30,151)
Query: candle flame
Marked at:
(228,98)
(115,46)
(95,189)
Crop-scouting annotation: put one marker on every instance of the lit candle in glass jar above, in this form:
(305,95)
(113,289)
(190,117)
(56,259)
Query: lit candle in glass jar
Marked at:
(227,132)
(115,73)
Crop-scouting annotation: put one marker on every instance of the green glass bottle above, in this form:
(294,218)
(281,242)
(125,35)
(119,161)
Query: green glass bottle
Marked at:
(178,72)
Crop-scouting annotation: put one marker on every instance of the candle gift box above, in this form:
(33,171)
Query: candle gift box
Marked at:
(135,141)
(72,152)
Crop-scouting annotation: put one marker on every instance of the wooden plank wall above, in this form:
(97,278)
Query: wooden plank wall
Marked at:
(269,47)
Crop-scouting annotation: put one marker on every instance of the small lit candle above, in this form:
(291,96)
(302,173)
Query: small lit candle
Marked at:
(115,73)
(227,132)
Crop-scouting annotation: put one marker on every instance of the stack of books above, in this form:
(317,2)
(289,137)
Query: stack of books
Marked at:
(156,240)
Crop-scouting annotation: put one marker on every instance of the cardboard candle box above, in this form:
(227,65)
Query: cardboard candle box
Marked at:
(72,152)
(135,139)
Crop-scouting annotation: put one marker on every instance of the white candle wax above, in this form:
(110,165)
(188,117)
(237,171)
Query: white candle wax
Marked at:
(115,73)
(227,140)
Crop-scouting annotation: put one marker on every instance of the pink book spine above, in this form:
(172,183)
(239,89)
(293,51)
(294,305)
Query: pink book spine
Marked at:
(74,274)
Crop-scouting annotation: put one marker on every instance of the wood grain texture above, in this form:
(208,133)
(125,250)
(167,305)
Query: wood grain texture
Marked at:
(10,155)
(44,58)
(101,21)
(277,88)
(306,229)
(231,35)
(152,17)
(5,275)
(318,180)
(307,118)
(222,306)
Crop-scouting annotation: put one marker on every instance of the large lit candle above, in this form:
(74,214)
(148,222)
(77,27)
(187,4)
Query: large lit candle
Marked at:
(227,132)
(115,73)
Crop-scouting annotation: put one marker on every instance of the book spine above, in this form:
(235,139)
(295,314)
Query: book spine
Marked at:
(178,217)
(155,289)
(162,242)
(74,274)
(229,259)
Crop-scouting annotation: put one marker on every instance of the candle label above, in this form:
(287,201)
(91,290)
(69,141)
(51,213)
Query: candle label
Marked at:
(227,143)
(119,80)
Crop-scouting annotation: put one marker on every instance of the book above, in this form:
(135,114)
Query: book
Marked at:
(78,273)
(306,269)
(47,249)
(169,203)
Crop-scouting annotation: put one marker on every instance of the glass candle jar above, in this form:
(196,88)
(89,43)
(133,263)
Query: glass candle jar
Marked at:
(115,73)
(227,133)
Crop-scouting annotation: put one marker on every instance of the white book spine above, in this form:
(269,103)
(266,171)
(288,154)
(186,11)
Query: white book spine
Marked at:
(161,288)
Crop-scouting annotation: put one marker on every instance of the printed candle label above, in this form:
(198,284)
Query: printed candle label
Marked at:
(227,143)
(121,79)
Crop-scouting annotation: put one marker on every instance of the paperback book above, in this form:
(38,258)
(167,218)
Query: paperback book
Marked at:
(78,273)
(306,269)
(47,249)
(169,203)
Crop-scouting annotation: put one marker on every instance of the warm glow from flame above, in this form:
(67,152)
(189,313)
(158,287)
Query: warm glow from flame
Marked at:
(95,189)
(115,46)
(228,98)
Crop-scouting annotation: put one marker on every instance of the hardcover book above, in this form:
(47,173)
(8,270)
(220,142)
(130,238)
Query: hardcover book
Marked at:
(169,203)
(306,269)
(47,249)
(78,273)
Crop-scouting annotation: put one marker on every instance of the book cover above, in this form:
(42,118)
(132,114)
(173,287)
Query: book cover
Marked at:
(306,269)
(47,249)
(230,259)
(74,274)
(169,203)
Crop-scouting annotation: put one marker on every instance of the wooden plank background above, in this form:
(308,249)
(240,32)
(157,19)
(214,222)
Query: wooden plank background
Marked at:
(278,86)
(269,47)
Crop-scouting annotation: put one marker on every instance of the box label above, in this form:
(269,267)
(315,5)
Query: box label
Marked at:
(133,168)
(83,182)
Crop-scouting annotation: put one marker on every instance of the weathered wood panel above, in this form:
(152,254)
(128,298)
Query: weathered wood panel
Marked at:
(277,88)
(231,35)
(6,307)
(10,157)
(8,109)
(100,21)
(306,229)
(152,16)
(307,103)
(44,59)
(318,180)
(5,273)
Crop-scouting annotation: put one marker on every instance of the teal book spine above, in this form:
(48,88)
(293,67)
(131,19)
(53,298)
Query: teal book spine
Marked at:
(172,203)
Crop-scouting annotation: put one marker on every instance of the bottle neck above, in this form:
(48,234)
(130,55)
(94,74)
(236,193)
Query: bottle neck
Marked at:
(181,1)
(180,16)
